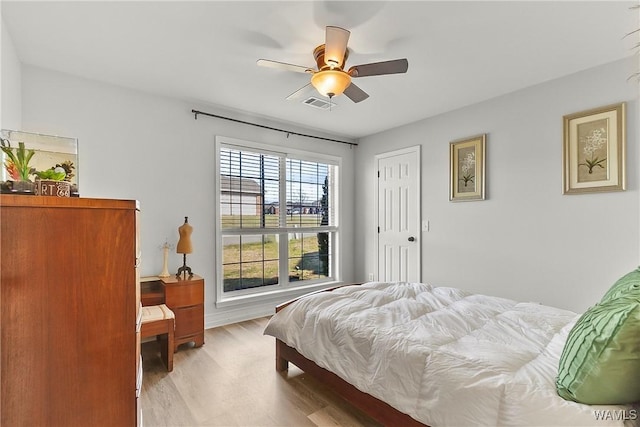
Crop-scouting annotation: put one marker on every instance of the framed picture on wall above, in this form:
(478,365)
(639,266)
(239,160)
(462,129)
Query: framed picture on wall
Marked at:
(31,157)
(467,169)
(594,150)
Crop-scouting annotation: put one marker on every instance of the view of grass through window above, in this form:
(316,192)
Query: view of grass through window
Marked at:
(253,223)
(253,260)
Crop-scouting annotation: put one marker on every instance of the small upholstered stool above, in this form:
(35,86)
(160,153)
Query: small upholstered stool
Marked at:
(159,320)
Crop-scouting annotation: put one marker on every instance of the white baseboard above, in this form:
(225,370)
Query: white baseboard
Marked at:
(228,315)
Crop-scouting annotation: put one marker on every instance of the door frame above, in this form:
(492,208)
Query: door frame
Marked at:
(416,150)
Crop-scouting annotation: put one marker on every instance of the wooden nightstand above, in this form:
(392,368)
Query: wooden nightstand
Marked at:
(185,297)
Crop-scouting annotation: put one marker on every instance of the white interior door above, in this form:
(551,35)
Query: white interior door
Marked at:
(399,216)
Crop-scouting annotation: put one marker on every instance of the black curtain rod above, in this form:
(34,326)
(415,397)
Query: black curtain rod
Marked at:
(288,132)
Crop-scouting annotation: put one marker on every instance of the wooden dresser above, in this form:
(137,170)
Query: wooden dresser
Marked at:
(185,297)
(70,299)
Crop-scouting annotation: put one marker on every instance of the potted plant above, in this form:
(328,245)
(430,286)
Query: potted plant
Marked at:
(51,182)
(68,167)
(17,165)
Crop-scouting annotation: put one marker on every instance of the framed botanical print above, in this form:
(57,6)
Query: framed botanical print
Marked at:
(467,169)
(594,150)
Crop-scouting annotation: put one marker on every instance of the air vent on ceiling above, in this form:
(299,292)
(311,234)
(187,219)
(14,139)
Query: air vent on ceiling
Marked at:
(318,103)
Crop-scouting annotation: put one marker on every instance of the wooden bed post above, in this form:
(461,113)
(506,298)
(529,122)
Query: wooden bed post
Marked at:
(282,364)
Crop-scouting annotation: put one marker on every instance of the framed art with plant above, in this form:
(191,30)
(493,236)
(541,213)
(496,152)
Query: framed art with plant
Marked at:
(27,159)
(467,169)
(594,146)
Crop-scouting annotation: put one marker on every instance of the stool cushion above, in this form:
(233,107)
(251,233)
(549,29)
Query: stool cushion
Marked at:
(153,313)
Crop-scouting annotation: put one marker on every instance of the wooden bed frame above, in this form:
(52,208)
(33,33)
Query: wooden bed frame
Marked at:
(371,406)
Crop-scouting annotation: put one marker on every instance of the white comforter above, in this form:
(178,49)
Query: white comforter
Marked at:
(444,356)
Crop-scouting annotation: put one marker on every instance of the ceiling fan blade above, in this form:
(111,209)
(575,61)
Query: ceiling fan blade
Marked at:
(336,39)
(283,66)
(355,94)
(394,66)
(304,91)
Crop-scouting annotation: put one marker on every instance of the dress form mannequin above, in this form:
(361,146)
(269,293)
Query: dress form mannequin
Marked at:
(184,246)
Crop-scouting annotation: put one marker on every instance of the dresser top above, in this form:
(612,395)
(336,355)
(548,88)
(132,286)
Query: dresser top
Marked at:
(15,200)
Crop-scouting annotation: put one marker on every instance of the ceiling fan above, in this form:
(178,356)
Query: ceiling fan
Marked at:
(330,78)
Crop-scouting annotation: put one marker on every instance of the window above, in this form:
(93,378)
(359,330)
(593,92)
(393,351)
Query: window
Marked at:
(277,224)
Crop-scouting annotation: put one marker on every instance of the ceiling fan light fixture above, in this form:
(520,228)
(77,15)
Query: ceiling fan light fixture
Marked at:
(331,82)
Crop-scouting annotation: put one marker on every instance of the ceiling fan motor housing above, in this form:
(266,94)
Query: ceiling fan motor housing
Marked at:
(318,55)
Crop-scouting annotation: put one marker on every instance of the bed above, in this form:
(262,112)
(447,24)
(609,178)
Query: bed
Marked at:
(414,354)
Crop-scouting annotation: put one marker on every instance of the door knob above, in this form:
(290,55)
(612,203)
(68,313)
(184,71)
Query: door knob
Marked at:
(412,239)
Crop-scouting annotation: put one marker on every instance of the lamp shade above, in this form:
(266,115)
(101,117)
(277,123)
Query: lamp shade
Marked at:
(330,82)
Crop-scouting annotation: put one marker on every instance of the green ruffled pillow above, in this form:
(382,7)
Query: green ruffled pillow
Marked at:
(600,362)
(627,286)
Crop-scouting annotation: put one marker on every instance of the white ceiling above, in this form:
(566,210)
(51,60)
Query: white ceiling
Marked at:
(459,52)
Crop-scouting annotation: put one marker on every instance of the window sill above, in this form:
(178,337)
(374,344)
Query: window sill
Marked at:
(274,296)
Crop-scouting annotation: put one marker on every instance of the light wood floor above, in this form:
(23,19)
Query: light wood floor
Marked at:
(232,381)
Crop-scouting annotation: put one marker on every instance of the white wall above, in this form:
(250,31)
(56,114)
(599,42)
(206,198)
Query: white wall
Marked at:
(134,145)
(10,83)
(527,241)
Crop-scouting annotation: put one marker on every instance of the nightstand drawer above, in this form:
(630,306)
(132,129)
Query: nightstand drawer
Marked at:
(184,293)
(189,320)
